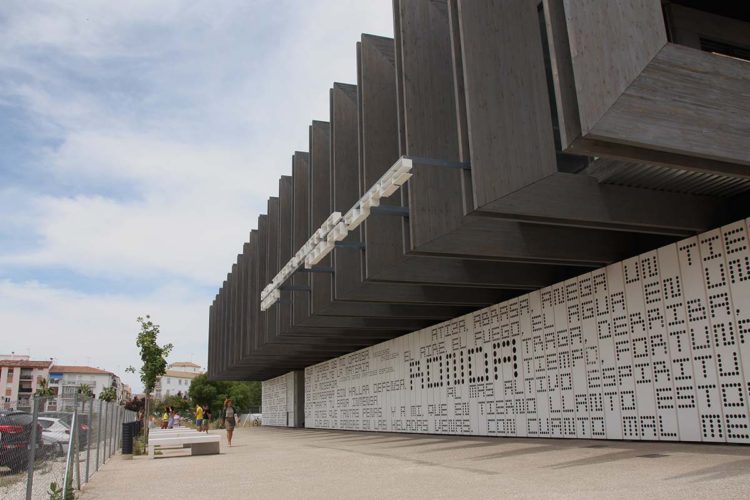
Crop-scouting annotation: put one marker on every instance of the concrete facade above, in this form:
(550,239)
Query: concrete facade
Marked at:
(534,142)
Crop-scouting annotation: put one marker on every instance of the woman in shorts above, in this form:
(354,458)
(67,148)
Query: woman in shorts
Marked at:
(229,419)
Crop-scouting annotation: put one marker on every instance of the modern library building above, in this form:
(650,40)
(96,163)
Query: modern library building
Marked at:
(526,218)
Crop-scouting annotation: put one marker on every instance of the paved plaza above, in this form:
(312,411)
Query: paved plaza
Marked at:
(297,463)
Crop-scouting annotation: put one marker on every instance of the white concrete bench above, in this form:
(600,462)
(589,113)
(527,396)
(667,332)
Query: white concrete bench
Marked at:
(151,435)
(173,432)
(199,444)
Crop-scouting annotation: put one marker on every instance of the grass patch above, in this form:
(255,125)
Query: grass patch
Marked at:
(139,445)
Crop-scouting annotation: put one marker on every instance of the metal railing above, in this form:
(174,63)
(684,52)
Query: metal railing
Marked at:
(54,446)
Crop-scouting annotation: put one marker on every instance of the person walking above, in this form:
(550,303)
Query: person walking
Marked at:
(199,417)
(170,420)
(165,418)
(229,419)
(206,417)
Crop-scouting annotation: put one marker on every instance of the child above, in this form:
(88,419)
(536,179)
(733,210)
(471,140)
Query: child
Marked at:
(207,417)
(199,417)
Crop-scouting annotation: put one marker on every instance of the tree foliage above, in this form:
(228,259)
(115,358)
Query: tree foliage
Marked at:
(245,395)
(181,405)
(85,390)
(136,404)
(153,356)
(42,388)
(108,394)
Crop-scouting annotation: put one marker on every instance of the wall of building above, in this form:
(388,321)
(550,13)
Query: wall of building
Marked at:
(283,400)
(171,385)
(181,367)
(70,382)
(18,384)
(656,347)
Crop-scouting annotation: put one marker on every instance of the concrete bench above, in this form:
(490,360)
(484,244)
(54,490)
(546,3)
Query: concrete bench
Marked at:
(173,432)
(152,435)
(199,444)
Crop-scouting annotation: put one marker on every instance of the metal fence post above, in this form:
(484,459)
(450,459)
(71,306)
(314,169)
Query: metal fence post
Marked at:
(32,448)
(106,425)
(118,430)
(116,434)
(69,457)
(117,427)
(76,441)
(110,414)
(120,420)
(111,426)
(98,434)
(88,437)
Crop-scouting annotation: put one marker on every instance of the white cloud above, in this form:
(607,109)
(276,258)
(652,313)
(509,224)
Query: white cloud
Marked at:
(161,131)
(99,330)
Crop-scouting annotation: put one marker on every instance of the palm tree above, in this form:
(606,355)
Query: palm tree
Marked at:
(85,390)
(42,388)
(108,394)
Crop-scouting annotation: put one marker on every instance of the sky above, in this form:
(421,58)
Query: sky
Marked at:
(139,141)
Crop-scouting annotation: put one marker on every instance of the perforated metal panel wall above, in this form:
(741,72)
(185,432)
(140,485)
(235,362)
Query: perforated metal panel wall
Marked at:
(282,400)
(275,396)
(655,347)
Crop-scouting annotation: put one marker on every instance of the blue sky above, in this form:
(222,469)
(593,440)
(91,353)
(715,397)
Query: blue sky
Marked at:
(139,141)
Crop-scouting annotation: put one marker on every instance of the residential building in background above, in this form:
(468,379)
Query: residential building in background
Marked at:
(127,393)
(65,380)
(177,379)
(19,378)
(185,366)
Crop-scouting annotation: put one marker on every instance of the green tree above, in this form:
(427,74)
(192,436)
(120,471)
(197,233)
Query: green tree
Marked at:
(43,389)
(245,395)
(255,394)
(181,406)
(108,394)
(202,391)
(85,391)
(153,357)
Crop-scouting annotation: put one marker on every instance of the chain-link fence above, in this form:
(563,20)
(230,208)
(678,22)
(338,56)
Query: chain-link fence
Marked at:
(50,446)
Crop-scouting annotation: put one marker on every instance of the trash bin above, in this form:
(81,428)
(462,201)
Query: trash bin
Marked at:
(128,434)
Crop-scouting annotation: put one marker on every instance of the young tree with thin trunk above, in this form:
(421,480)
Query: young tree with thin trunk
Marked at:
(154,358)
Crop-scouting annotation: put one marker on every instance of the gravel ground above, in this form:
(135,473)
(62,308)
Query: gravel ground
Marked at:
(13,486)
(267,462)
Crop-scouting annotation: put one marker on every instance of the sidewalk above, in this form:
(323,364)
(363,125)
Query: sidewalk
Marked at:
(272,463)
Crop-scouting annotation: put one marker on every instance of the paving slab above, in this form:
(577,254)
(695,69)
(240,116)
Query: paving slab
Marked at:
(267,462)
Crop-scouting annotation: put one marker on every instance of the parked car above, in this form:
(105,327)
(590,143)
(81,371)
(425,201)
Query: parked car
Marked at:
(55,436)
(15,438)
(67,418)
